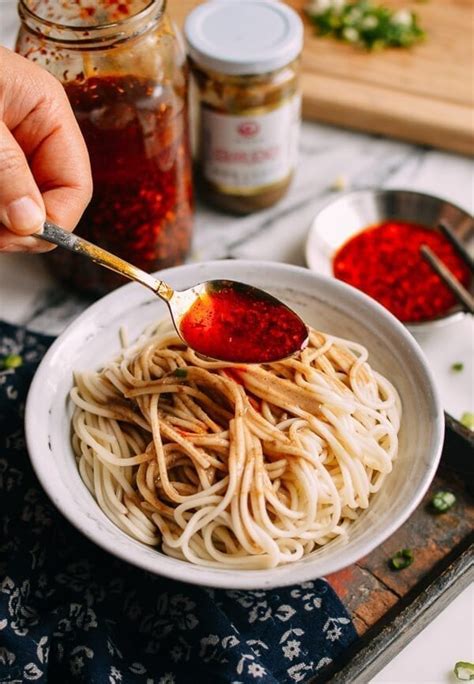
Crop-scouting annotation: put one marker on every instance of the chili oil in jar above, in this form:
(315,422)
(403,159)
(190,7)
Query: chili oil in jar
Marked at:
(124,71)
(244,58)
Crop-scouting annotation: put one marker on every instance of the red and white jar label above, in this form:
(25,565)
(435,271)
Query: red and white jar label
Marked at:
(245,153)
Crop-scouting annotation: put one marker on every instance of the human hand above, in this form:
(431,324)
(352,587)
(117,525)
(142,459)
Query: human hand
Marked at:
(44,165)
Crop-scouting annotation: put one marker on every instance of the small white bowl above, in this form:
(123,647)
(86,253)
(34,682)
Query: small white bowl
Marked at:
(324,303)
(351,212)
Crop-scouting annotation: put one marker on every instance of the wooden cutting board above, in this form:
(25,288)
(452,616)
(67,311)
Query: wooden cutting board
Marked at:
(424,95)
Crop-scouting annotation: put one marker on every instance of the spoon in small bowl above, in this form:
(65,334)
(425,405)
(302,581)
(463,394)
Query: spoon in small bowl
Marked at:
(220,319)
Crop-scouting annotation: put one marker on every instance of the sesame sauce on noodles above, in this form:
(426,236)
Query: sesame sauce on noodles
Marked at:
(233,466)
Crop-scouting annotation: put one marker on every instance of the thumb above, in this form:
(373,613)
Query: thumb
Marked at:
(21,205)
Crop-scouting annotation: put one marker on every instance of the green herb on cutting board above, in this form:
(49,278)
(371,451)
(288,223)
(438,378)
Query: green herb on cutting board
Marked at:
(362,23)
(467,419)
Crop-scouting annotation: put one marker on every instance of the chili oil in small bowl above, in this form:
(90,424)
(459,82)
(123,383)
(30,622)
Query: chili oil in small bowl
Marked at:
(371,239)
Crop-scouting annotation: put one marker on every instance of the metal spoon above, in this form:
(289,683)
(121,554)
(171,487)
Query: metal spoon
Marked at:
(271,331)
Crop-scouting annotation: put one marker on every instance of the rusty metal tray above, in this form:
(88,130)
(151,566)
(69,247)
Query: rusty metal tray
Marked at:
(390,607)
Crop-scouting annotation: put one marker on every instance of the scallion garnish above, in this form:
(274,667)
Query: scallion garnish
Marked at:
(180,372)
(467,419)
(362,23)
(402,559)
(443,501)
(457,367)
(464,671)
(11,361)
(339,183)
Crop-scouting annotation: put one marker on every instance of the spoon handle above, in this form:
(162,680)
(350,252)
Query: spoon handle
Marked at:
(74,243)
(449,279)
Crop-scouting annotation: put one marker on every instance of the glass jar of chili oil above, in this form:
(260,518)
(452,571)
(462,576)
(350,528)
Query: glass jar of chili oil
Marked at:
(124,70)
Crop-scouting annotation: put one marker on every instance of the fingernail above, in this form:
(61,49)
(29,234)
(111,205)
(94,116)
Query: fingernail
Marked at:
(25,216)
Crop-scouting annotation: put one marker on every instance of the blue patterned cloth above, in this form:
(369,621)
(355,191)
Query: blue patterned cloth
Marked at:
(69,612)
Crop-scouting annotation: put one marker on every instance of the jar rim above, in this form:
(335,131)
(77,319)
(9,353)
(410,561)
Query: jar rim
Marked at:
(145,12)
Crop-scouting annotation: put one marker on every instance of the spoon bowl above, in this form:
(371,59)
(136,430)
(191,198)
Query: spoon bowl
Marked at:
(231,321)
(220,319)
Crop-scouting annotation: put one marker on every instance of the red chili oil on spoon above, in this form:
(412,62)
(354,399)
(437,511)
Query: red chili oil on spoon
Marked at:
(235,322)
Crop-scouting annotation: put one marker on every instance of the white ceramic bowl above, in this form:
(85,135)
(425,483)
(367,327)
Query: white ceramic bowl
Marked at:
(328,305)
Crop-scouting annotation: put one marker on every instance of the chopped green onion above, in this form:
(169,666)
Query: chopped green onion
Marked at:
(339,183)
(351,34)
(464,671)
(362,23)
(457,367)
(402,559)
(11,361)
(443,501)
(402,17)
(467,419)
(181,372)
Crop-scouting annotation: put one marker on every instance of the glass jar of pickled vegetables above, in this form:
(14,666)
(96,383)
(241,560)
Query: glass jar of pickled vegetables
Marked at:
(124,70)
(244,56)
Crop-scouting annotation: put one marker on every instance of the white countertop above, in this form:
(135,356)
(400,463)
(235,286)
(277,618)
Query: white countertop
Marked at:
(29,295)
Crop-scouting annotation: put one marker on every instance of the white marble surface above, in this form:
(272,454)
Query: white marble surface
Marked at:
(28,295)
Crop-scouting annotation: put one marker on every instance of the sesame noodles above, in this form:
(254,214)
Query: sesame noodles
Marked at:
(232,466)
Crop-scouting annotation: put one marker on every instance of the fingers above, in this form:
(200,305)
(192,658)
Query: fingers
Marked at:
(44,165)
(22,208)
(53,143)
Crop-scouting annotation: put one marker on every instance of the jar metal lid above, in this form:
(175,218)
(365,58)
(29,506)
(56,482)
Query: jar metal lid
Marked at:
(239,37)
